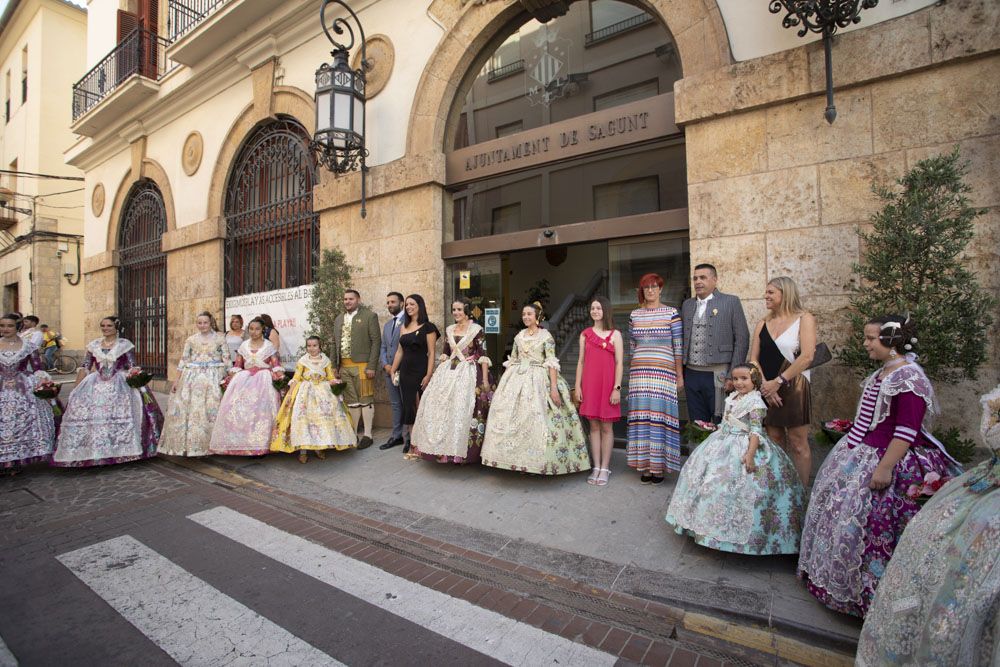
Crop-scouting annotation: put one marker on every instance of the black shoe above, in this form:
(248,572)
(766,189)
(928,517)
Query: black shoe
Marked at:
(406,447)
(656,480)
(645,479)
(392,442)
(365,442)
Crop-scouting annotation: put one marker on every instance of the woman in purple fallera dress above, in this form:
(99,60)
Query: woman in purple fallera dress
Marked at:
(859,505)
(106,420)
(27,428)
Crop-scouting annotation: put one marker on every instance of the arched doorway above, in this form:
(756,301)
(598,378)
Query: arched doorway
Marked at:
(566,172)
(142,276)
(272,233)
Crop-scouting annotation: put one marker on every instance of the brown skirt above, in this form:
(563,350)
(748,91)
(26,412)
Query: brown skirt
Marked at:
(796,404)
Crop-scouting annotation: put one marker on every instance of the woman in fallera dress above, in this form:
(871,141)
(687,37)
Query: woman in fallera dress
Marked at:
(533,426)
(106,420)
(195,397)
(249,407)
(738,491)
(311,418)
(939,601)
(859,504)
(27,428)
(451,420)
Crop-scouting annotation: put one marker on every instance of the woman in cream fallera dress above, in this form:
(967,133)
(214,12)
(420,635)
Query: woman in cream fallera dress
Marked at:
(527,431)
(194,404)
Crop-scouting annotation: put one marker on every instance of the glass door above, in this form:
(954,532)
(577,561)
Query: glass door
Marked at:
(480,280)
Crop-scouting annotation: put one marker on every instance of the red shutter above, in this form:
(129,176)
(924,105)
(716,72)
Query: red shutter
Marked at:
(127,22)
(149,15)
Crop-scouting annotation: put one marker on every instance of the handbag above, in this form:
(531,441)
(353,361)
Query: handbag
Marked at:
(821,356)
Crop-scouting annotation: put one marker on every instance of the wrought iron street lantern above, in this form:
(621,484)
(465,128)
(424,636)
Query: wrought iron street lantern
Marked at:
(339,141)
(823,17)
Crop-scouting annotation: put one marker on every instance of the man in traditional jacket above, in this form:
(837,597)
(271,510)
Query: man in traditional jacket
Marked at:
(356,342)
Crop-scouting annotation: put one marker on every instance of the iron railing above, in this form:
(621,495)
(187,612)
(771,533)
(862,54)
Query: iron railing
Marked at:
(182,17)
(505,71)
(607,32)
(142,52)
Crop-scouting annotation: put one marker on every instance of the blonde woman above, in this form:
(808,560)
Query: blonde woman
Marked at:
(783,344)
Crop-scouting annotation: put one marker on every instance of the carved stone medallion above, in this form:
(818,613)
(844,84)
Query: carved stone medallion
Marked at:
(191,155)
(381,57)
(97,199)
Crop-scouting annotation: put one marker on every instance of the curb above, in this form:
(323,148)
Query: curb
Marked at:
(719,628)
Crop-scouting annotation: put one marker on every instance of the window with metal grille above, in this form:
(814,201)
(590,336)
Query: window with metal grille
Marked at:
(142,276)
(272,234)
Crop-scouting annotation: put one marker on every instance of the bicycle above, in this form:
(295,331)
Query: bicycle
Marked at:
(65,363)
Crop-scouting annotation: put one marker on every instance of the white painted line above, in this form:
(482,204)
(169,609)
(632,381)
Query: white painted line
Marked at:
(486,631)
(7,658)
(193,622)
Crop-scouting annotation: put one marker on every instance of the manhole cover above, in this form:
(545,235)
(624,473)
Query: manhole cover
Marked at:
(17,498)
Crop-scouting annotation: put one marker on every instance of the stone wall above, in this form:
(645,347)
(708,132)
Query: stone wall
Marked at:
(774,190)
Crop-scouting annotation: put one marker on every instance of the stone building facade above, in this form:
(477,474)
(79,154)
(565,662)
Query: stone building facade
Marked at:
(758,183)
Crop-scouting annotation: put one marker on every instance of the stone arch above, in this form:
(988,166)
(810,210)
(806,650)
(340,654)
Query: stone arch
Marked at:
(151,169)
(287,100)
(696,26)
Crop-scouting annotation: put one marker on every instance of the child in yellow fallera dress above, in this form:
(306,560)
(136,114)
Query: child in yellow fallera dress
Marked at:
(311,416)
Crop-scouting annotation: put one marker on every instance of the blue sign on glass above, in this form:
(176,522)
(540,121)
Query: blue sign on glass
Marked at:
(491,321)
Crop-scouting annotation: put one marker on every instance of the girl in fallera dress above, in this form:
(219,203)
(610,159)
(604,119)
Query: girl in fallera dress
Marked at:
(451,419)
(533,426)
(27,427)
(195,397)
(106,420)
(738,491)
(599,384)
(249,406)
(859,504)
(311,418)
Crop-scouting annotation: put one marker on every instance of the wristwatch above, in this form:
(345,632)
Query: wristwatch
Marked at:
(781,380)
(618,388)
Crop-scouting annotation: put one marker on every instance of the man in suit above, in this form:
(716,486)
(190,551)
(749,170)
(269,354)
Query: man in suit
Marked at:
(716,338)
(356,342)
(390,341)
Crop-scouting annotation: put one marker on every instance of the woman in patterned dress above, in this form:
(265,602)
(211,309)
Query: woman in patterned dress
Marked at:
(195,397)
(655,377)
(939,601)
(451,419)
(250,405)
(859,504)
(106,420)
(533,426)
(27,427)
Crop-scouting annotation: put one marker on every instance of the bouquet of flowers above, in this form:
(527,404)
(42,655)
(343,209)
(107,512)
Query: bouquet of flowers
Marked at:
(47,390)
(338,388)
(696,431)
(921,493)
(278,380)
(137,377)
(832,431)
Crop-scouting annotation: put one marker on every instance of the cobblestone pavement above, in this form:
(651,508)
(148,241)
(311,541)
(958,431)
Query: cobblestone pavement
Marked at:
(151,563)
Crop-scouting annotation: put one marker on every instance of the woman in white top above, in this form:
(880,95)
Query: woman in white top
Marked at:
(783,345)
(236,335)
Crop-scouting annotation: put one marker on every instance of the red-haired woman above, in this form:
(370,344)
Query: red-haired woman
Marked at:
(654,378)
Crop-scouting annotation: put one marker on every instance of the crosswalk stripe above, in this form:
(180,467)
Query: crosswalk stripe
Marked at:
(7,658)
(480,629)
(190,620)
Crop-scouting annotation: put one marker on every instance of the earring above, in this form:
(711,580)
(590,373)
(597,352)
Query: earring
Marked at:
(893,354)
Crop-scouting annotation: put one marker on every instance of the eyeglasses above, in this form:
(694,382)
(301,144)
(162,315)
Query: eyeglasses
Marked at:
(652,287)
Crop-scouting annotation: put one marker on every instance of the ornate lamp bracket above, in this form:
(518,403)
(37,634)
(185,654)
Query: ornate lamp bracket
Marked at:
(824,17)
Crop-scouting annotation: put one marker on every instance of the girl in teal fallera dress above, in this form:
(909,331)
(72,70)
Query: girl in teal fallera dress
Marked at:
(739,491)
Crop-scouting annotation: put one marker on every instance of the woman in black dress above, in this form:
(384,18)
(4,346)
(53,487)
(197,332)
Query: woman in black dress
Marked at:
(414,359)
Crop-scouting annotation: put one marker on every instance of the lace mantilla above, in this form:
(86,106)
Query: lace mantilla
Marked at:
(259,358)
(316,365)
(12,357)
(107,359)
(907,378)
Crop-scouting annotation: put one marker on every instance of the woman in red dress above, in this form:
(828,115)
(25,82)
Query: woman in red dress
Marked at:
(599,384)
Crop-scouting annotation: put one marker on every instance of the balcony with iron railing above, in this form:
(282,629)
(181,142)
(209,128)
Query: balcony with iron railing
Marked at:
(506,70)
(197,28)
(123,78)
(615,29)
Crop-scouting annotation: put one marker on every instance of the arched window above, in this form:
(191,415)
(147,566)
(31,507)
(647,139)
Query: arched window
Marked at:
(272,234)
(142,276)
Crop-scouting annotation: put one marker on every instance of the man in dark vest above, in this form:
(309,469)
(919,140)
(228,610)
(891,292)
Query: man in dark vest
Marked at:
(716,338)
